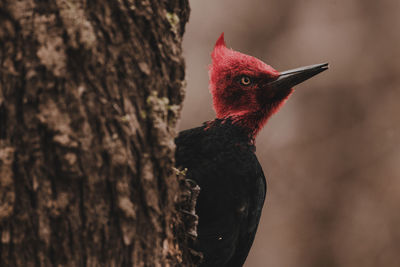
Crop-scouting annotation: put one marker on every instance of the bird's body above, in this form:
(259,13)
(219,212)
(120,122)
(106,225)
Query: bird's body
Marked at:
(219,156)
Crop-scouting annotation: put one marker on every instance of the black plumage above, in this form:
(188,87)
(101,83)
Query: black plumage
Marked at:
(220,155)
(220,158)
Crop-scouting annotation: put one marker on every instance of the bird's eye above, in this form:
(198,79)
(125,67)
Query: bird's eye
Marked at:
(245,80)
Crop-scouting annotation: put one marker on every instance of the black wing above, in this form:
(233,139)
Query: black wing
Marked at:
(249,231)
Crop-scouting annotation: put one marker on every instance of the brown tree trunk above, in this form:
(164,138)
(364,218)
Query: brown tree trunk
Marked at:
(90,92)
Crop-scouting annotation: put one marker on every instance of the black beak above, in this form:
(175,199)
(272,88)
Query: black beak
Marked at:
(290,78)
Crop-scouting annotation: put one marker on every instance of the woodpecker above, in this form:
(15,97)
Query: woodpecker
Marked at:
(220,154)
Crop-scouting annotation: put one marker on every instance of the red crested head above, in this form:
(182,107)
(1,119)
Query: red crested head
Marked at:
(248,90)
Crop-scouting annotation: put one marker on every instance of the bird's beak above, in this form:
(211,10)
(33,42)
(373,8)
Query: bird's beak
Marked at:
(290,78)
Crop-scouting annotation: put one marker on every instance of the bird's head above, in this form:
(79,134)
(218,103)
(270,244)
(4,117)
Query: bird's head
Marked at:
(248,90)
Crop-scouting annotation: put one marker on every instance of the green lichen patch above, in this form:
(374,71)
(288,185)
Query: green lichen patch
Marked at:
(158,105)
(179,172)
(173,20)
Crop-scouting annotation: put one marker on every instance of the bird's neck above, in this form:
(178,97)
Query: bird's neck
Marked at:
(250,122)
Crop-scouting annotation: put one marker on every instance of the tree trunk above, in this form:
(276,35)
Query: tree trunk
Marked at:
(90,92)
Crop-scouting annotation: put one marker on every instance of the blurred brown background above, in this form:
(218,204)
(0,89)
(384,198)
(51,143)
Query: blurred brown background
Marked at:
(331,155)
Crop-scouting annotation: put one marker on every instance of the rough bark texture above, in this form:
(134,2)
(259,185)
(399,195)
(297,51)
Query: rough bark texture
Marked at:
(89,95)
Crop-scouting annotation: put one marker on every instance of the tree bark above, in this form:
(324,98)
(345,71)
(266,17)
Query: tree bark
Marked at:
(90,92)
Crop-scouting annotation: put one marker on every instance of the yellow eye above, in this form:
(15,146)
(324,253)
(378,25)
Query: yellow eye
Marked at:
(245,80)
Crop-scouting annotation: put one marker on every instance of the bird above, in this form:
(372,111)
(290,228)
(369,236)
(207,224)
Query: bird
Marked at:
(219,156)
